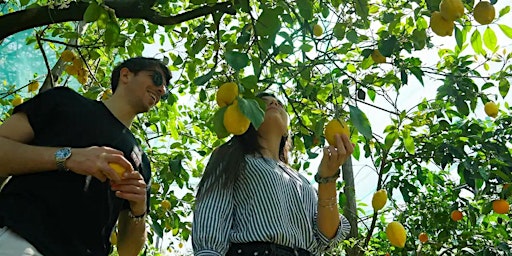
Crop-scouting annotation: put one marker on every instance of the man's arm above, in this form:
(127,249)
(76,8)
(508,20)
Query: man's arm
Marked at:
(132,235)
(132,231)
(17,157)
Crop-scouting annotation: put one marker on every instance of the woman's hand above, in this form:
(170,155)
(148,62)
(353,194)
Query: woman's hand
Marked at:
(334,157)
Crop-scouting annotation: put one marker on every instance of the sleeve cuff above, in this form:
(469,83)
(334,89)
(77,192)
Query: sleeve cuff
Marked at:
(207,253)
(342,233)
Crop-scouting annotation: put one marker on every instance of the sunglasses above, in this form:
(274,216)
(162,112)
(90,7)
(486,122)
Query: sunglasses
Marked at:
(158,81)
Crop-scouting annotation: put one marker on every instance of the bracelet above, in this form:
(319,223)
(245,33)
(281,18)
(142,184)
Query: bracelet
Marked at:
(331,179)
(138,218)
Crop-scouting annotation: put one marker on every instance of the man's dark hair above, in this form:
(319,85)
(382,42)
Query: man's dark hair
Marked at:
(137,64)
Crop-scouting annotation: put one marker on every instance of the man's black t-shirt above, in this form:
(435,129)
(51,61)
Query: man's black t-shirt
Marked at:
(52,210)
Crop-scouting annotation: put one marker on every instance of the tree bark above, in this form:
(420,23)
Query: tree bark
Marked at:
(350,209)
(44,15)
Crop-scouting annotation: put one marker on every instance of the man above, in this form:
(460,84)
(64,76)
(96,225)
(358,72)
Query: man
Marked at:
(63,198)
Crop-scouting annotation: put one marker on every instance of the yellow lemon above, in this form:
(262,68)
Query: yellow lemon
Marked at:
(335,126)
(451,9)
(379,199)
(484,12)
(235,121)
(226,94)
(491,109)
(71,69)
(67,56)
(377,57)
(440,25)
(34,85)
(17,101)
(318,30)
(396,234)
(118,168)
(113,238)
(165,204)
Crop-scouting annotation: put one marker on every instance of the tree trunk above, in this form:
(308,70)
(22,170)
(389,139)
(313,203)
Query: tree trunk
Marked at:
(350,209)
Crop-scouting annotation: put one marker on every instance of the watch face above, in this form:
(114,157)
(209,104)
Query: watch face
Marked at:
(63,153)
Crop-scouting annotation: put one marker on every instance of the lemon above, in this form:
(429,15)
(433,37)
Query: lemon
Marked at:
(113,238)
(484,12)
(34,85)
(396,234)
(491,109)
(67,56)
(235,121)
(318,30)
(335,126)
(451,10)
(118,168)
(165,204)
(379,199)
(226,94)
(377,57)
(440,25)
(17,101)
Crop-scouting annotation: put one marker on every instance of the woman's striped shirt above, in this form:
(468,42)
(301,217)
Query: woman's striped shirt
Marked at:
(270,202)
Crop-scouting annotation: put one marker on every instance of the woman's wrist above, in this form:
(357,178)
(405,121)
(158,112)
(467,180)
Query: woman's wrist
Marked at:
(321,179)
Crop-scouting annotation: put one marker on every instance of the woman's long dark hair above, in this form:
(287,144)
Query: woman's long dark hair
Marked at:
(228,160)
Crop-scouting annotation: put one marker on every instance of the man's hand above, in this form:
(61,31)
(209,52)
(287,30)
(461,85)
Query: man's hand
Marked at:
(132,188)
(94,161)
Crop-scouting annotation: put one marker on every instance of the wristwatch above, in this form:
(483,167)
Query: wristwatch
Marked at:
(61,156)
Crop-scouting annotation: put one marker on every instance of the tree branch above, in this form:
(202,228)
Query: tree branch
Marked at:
(15,22)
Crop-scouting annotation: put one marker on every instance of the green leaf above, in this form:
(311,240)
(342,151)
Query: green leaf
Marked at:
(409,143)
(218,123)
(157,228)
(24,2)
(306,47)
(305,9)
(250,82)
(390,139)
(237,60)
(112,32)
(490,39)
(476,42)
(339,31)
(504,87)
(419,38)
(204,78)
(268,24)
(459,37)
(251,109)
(505,10)
(418,73)
(506,30)
(352,36)
(387,47)
(362,8)
(92,13)
(360,121)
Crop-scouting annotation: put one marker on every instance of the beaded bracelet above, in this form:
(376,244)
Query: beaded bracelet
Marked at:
(331,179)
(138,218)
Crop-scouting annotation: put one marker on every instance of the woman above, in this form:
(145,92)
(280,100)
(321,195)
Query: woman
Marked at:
(250,202)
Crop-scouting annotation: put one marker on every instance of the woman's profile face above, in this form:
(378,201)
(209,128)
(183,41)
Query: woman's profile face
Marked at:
(275,115)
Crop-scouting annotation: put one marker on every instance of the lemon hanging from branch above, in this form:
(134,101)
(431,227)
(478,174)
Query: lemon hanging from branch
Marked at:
(235,121)
(226,94)
(396,234)
(335,126)
(379,199)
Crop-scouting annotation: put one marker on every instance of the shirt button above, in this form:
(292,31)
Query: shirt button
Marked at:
(239,251)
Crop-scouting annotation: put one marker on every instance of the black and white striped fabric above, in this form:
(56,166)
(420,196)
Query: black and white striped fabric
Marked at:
(270,203)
